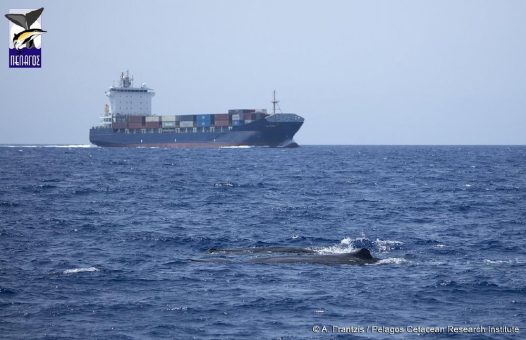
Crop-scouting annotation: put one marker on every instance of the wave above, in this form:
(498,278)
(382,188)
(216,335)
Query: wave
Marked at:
(80,270)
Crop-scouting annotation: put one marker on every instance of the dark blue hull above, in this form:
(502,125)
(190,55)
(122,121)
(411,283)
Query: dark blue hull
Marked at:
(274,131)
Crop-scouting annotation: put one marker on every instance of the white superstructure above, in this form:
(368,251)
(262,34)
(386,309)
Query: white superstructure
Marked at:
(128,100)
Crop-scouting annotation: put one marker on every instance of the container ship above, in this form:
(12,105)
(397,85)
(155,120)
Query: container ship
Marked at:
(128,122)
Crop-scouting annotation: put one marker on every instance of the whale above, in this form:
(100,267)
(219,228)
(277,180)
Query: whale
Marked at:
(293,250)
(300,255)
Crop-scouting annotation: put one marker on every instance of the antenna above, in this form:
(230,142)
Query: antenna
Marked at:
(126,81)
(274,103)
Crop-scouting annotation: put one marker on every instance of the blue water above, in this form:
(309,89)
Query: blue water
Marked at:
(102,243)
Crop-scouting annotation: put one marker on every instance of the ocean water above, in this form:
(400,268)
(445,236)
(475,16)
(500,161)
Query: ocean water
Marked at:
(113,243)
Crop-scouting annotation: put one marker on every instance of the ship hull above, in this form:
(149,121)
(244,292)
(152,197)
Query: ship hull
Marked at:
(265,132)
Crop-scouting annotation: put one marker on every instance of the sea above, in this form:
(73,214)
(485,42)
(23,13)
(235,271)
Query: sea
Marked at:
(113,243)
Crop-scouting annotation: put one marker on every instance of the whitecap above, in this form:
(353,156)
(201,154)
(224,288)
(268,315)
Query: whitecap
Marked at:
(487,261)
(392,260)
(177,308)
(224,185)
(80,270)
(509,261)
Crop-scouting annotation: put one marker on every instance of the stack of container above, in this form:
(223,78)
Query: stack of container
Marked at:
(242,111)
(186,121)
(221,120)
(168,122)
(135,122)
(249,117)
(153,122)
(237,119)
(233,117)
(204,120)
(120,122)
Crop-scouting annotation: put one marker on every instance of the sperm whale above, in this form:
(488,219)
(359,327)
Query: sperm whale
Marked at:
(301,255)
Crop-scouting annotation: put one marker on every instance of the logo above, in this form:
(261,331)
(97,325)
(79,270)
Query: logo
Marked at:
(25,42)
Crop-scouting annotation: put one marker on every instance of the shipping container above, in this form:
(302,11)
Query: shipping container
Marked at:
(237,122)
(220,123)
(249,116)
(119,125)
(203,124)
(203,120)
(187,118)
(152,118)
(169,118)
(241,111)
(236,116)
(136,119)
(120,119)
(168,124)
(135,126)
(186,123)
(221,116)
(152,125)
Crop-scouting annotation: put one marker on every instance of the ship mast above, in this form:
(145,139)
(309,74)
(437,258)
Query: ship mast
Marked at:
(274,103)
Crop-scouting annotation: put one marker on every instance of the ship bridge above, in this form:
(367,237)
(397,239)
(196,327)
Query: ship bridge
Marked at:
(128,100)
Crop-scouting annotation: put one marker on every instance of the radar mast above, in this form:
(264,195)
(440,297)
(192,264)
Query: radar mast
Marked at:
(275,103)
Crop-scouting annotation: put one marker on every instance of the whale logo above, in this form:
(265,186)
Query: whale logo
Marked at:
(25,30)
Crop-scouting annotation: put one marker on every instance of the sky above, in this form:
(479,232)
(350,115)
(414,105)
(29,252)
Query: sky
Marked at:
(359,72)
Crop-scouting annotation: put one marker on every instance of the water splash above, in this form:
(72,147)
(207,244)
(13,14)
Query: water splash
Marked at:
(349,244)
(392,260)
(226,184)
(237,147)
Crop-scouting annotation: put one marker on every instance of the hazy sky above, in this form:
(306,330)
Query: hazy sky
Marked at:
(360,72)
